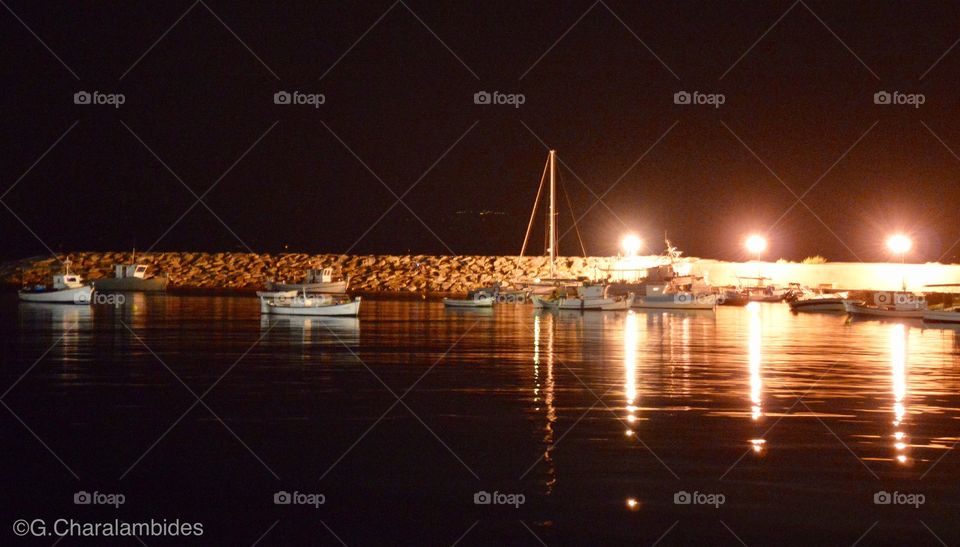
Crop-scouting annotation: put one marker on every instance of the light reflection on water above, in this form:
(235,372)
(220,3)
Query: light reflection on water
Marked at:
(695,389)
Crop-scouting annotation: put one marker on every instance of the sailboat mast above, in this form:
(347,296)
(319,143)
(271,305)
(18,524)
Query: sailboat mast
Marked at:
(553,213)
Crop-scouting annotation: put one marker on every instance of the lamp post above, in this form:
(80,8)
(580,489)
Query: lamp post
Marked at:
(900,244)
(756,244)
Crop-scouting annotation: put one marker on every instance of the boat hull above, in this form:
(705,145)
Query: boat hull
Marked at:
(945,317)
(334,287)
(469,303)
(348,309)
(818,304)
(585,304)
(860,309)
(677,302)
(131,284)
(79,295)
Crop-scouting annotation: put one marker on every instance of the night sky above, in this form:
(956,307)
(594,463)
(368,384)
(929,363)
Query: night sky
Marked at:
(399,120)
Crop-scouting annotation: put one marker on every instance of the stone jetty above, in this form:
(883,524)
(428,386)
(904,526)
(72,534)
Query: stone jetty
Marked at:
(453,274)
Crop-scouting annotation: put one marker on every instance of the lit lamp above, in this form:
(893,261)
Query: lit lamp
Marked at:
(756,244)
(900,244)
(631,245)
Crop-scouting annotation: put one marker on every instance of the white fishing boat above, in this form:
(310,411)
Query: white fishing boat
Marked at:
(818,302)
(478,302)
(276,294)
(681,300)
(897,305)
(589,297)
(950,316)
(664,288)
(322,280)
(67,288)
(319,305)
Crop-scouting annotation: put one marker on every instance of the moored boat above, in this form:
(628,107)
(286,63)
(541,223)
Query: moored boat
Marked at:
(477,302)
(897,305)
(67,288)
(311,305)
(817,302)
(589,297)
(949,316)
(132,278)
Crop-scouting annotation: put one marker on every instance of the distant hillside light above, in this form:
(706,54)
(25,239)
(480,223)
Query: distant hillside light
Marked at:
(631,245)
(899,244)
(756,244)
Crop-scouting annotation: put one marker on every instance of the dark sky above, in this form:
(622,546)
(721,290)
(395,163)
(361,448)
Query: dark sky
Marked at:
(400,97)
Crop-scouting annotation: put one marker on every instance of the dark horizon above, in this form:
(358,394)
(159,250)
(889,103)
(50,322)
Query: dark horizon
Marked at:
(798,81)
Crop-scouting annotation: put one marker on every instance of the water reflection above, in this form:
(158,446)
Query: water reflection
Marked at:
(69,326)
(630,337)
(541,322)
(898,360)
(755,356)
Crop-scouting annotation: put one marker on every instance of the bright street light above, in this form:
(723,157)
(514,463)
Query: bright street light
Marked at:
(756,244)
(631,245)
(899,244)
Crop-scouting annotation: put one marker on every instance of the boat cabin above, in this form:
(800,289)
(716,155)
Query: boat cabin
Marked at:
(67,281)
(324,275)
(122,271)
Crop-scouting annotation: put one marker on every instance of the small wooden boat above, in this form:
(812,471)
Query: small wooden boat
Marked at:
(478,302)
(132,278)
(589,297)
(319,305)
(818,302)
(948,317)
(677,301)
(897,305)
(316,281)
(67,288)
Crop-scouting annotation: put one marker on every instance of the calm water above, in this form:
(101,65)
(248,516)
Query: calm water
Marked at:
(788,424)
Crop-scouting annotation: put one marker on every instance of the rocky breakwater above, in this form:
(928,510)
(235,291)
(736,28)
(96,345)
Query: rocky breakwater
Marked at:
(368,273)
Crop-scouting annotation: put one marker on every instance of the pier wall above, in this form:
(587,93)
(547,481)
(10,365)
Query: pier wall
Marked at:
(418,273)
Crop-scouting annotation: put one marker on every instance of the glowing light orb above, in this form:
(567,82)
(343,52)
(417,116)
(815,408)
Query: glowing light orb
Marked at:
(899,243)
(631,245)
(756,244)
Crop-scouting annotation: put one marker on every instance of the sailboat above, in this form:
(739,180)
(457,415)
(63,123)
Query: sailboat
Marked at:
(553,284)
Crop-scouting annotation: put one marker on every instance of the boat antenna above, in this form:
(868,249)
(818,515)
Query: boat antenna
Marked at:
(553,213)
